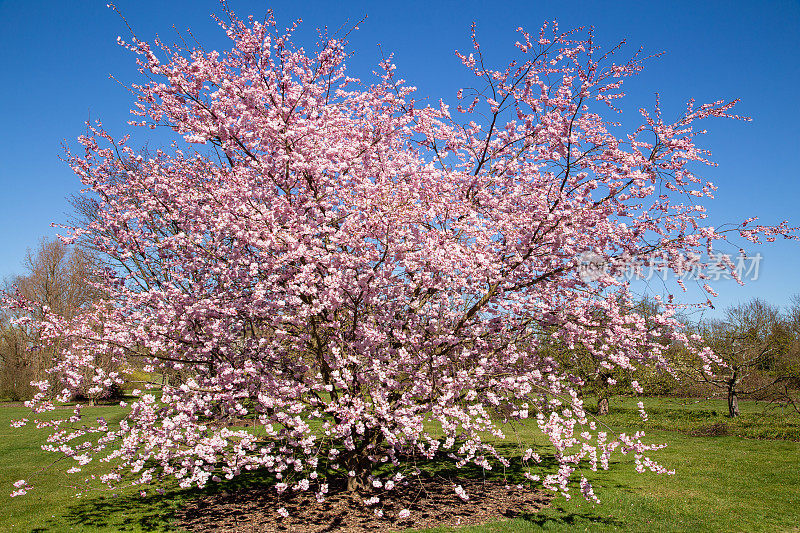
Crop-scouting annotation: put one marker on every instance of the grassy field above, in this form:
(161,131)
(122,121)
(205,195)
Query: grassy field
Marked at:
(741,479)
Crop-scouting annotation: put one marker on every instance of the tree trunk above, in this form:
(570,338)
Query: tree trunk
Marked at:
(361,467)
(733,402)
(602,406)
(357,483)
(358,462)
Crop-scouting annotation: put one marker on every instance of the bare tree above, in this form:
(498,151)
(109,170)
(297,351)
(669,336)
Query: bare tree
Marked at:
(748,342)
(16,365)
(786,367)
(58,279)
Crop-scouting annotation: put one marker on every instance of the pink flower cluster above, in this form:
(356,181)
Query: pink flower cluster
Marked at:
(22,488)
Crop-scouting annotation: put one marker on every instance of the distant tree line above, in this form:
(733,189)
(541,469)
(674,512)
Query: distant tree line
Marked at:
(58,278)
(756,345)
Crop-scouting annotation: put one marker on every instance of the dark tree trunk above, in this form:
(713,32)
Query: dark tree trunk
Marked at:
(733,402)
(602,406)
(733,394)
(358,482)
(358,462)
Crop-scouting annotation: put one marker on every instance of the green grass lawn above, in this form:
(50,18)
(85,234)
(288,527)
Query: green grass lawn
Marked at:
(51,505)
(722,483)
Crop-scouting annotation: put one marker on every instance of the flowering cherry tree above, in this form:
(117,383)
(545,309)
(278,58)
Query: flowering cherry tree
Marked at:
(364,277)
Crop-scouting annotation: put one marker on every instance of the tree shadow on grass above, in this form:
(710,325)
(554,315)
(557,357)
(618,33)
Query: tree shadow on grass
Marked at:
(557,514)
(153,512)
(129,511)
(124,513)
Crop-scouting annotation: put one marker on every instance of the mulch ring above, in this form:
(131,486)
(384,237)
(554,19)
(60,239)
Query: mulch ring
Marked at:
(432,502)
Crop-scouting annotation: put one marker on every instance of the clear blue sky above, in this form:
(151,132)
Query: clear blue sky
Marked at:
(57,56)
